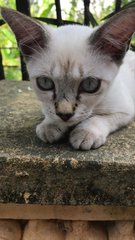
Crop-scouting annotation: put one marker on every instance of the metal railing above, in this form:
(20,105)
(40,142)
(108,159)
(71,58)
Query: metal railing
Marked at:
(24,7)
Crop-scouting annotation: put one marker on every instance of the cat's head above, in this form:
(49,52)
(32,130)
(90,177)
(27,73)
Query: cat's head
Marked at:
(72,67)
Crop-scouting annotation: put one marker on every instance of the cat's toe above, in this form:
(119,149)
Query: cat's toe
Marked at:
(85,139)
(49,133)
(40,131)
(80,139)
(53,133)
(99,142)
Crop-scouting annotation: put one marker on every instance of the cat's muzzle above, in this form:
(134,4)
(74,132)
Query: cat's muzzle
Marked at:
(64,110)
(64,116)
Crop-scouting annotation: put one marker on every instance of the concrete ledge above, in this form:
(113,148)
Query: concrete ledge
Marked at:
(32,172)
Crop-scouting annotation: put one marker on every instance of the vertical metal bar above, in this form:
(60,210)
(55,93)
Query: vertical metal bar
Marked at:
(2,76)
(86,12)
(24,7)
(58,12)
(117,5)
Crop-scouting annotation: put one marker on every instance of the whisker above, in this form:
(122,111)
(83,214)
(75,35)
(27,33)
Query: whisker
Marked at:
(107,110)
(32,57)
(34,50)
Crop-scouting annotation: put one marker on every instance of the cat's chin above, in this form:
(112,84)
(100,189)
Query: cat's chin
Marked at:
(73,121)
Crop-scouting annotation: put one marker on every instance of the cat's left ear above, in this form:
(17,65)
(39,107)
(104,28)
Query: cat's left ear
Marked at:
(114,36)
(31,36)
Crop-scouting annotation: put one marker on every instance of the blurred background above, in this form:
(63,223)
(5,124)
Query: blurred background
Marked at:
(56,13)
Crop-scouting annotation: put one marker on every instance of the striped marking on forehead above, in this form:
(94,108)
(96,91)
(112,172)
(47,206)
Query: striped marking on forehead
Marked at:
(66,68)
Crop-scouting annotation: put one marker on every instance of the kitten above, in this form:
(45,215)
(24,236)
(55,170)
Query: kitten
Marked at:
(85,78)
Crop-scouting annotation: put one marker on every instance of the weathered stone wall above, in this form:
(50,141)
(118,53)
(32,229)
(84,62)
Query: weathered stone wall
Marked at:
(66,230)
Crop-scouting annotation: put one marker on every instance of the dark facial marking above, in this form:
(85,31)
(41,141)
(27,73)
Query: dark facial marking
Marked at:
(81,71)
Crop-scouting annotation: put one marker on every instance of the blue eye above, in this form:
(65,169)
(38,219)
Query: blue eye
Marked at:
(90,85)
(44,83)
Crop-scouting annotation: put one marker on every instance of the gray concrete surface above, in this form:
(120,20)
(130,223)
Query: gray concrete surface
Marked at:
(34,172)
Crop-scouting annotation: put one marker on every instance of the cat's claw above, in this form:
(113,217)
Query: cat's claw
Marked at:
(49,133)
(85,139)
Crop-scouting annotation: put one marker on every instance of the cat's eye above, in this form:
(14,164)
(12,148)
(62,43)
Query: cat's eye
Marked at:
(45,83)
(90,85)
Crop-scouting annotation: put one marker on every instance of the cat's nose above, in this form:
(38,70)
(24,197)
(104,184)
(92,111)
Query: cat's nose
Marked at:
(65,116)
(64,109)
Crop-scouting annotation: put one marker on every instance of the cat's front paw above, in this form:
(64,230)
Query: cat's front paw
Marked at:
(85,138)
(49,133)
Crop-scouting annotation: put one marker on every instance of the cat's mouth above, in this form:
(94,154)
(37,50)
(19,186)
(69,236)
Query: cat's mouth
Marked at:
(73,119)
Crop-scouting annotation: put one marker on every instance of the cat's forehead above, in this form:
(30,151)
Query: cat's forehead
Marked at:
(68,50)
(74,31)
(70,38)
(68,56)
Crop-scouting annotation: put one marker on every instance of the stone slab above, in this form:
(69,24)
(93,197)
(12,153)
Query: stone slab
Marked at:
(32,172)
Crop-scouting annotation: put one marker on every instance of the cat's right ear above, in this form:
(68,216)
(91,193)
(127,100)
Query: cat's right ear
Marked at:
(114,36)
(31,36)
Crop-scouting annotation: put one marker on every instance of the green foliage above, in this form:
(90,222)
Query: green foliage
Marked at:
(11,61)
(72,10)
(42,8)
(10,53)
(8,3)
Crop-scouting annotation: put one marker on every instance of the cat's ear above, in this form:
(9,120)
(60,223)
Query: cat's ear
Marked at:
(30,35)
(114,36)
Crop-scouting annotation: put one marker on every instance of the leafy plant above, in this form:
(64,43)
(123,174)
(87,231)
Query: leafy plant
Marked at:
(8,45)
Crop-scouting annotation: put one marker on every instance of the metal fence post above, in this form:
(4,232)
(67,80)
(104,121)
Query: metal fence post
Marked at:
(58,12)
(117,5)
(86,12)
(24,7)
(2,76)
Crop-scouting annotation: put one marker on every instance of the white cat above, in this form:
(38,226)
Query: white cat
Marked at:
(83,77)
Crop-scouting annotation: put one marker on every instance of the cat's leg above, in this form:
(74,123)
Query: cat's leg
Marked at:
(92,133)
(49,131)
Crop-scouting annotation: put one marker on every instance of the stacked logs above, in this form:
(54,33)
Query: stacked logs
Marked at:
(66,230)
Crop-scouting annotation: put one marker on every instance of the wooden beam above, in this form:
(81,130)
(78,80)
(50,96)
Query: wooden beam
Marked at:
(63,212)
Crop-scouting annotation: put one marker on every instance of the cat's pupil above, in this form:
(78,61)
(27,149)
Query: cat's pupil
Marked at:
(44,83)
(90,85)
